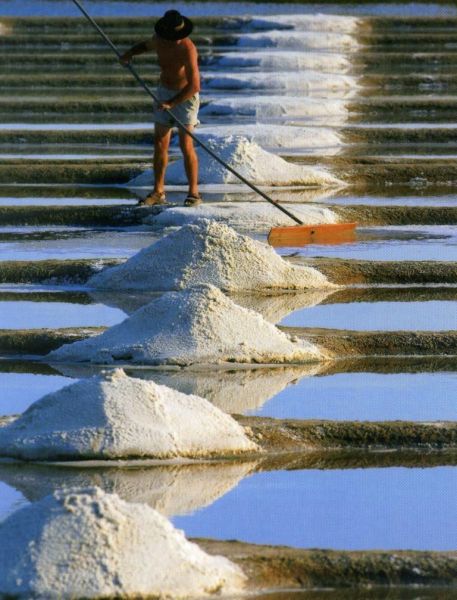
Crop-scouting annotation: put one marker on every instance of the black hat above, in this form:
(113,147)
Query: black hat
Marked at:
(173,26)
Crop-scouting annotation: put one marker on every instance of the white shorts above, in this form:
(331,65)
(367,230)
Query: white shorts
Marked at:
(186,112)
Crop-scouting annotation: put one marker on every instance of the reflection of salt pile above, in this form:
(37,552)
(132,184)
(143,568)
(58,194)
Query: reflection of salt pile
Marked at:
(306,81)
(286,60)
(275,307)
(314,22)
(115,416)
(192,326)
(207,252)
(276,106)
(84,543)
(172,489)
(251,161)
(242,216)
(235,391)
(303,40)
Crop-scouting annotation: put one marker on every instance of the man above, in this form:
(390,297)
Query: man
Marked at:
(178,91)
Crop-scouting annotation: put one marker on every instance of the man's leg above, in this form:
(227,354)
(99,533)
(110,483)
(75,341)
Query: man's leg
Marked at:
(190,160)
(162,137)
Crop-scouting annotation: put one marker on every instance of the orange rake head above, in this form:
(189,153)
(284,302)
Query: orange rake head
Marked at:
(300,235)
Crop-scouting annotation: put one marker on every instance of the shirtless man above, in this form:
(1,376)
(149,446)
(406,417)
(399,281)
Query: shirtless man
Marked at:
(178,91)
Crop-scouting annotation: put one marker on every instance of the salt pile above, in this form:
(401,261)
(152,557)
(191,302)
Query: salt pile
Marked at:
(83,543)
(250,160)
(298,40)
(242,216)
(114,416)
(208,252)
(308,82)
(286,61)
(173,489)
(277,106)
(193,326)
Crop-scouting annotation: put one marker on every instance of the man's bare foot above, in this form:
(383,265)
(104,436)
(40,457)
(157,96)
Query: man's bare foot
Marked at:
(193,200)
(153,199)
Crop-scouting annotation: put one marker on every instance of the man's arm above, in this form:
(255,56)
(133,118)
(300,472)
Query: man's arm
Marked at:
(193,80)
(140,48)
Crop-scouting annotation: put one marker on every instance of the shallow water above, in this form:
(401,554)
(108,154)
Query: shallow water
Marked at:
(386,316)
(35,315)
(394,508)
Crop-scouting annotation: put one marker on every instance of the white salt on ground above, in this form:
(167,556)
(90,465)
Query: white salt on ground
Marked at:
(271,136)
(255,164)
(309,82)
(208,252)
(298,40)
(114,416)
(314,22)
(277,106)
(286,61)
(242,216)
(83,543)
(198,325)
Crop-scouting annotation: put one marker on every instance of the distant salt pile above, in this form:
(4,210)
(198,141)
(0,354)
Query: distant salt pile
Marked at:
(243,216)
(192,326)
(270,136)
(306,82)
(298,40)
(113,416)
(208,252)
(253,162)
(312,22)
(83,543)
(286,60)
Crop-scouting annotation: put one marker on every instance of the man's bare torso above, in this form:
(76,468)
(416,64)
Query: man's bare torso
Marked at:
(175,59)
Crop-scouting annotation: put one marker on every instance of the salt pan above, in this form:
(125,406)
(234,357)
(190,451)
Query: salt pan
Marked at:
(83,543)
(286,61)
(314,22)
(306,82)
(208,252)
(242,216)
(302,40)
(255,164)
(198,325)
(113,416)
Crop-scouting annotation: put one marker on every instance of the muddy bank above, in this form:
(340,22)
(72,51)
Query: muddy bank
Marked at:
(41,341)
(349,272)
(343,343)
(52,271)
(397,215)
(273,567)
(72,215)
(283,435)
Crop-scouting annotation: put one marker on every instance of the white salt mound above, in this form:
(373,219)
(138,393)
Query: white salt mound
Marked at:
(242,216)
(198,325)
(252,162)
(208,252)
(286,61)
(277,106)
(83,543)
(114,416)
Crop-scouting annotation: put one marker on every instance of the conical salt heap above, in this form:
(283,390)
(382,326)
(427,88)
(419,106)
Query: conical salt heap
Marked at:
(208,252)
(84,543)
(198,325)
(113,416)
